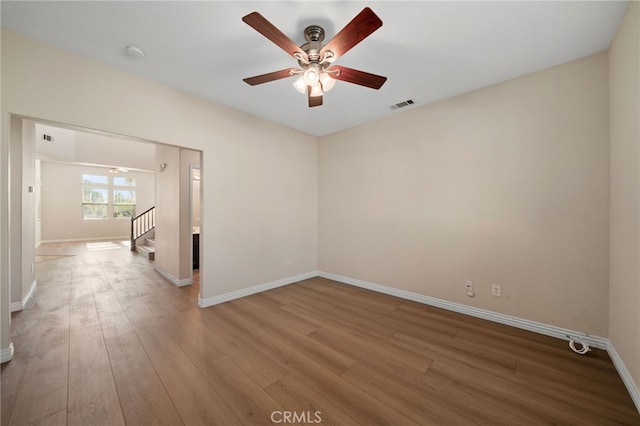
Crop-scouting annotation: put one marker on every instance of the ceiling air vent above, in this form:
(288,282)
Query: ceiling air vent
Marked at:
(403,104)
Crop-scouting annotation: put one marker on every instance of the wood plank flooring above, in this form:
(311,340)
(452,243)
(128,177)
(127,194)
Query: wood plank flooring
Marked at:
(106,341)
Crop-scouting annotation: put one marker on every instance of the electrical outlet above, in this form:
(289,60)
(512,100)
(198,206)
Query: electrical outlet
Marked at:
(469,287)
(496,290)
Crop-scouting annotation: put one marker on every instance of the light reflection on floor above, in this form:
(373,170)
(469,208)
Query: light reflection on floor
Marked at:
(107,245)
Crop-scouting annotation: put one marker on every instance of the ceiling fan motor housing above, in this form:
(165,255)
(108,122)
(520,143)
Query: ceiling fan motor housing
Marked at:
(314,35)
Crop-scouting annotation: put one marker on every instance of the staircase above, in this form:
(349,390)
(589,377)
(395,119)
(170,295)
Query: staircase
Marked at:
(148,248)
(143,225)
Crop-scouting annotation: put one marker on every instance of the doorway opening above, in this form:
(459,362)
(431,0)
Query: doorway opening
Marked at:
(66,161)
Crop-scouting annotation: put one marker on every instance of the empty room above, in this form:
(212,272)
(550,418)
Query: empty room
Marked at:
(346,213)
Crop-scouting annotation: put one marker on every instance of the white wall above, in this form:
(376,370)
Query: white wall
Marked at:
(624,118)
(259,178)
(506,185)
(91,148)
(100,149)
(61,214)
(61,147)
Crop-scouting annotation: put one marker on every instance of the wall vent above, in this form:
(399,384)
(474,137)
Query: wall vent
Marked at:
(403,104)
(47,138)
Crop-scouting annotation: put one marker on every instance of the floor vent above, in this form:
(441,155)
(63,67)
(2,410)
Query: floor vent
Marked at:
(403,104)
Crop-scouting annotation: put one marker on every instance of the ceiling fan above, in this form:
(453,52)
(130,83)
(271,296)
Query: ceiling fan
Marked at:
(316,73)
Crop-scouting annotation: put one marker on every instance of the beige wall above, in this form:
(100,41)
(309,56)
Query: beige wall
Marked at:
(167,232)
(23,208)
(506,185)
(260,179)
(28,229)
(624,118)
(264,214)
(173,211)
(195,219)
(188,159)
(6,347)
(38,221)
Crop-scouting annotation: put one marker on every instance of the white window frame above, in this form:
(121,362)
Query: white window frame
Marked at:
(102,182)
(89,184)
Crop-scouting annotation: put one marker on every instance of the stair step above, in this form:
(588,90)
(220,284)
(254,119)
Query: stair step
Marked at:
(150,242)
(148,251)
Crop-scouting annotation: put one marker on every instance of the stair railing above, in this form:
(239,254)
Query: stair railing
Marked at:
(142,224)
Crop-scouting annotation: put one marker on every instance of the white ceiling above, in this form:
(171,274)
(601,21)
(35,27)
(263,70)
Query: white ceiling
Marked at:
(428,50)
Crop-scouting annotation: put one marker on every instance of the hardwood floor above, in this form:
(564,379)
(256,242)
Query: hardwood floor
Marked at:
(106,341)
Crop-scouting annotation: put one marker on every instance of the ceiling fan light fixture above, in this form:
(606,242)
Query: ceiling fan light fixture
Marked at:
(311,75)
(300,85)
(327,81)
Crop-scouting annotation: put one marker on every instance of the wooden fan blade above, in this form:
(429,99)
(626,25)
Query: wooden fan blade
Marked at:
(314,101)
(360,27)
(358,77)
(265,78)
(267,29)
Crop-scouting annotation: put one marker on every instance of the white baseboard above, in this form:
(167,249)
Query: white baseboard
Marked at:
(175,281)
(537,327)
(74,240)
(210,301)
(6,354)
(632,387)
(18,306)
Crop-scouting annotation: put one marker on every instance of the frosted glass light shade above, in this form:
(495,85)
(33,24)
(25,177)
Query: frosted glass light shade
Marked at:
(327,81)
(311,75)
(300,85)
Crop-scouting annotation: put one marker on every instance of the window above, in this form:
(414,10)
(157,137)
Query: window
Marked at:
(95,198)
(123,181)
(96,202)
(95,179)
(124,203)
(124,199)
